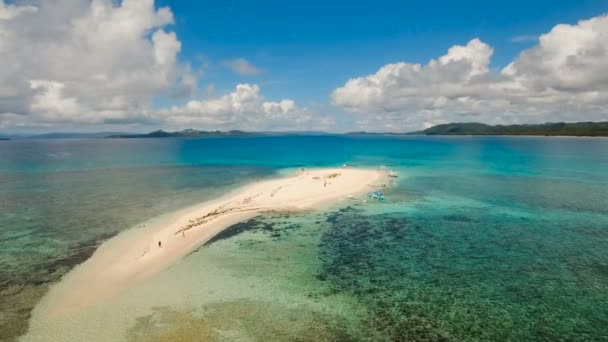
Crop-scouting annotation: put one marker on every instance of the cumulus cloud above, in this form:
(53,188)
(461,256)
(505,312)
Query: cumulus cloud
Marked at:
(243,108)
(83,61)
(8,11)
(73,62)
(241,66)
(563,77)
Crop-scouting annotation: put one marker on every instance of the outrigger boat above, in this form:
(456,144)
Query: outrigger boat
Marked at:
(393,174)
(377,196)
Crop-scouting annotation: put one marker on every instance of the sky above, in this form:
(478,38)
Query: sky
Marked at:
(140,65)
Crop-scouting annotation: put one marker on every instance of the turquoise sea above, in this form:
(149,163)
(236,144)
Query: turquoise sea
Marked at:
(481,238)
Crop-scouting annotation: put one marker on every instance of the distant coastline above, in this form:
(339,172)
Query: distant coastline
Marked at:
(187,133)
(194,133)
(588,129)
(591,129)
(574,129)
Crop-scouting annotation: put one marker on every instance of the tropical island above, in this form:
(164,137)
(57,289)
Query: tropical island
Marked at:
(580,129)
(591,129)
(187,133)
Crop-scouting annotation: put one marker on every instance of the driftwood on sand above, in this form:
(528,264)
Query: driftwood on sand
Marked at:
(240,206)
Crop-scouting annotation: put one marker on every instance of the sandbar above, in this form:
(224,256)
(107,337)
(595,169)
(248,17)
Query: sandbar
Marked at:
(136,254)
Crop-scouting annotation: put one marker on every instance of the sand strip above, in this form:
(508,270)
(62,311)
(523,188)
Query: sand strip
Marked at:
(136,254)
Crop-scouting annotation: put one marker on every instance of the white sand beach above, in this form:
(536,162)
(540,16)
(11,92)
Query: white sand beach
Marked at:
(134,255)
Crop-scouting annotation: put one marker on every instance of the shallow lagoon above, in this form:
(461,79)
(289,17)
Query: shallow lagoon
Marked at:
(481,239)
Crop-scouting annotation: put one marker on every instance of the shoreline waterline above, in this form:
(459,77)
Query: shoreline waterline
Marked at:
(136,254)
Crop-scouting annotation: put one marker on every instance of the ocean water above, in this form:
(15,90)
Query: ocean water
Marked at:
(481,239)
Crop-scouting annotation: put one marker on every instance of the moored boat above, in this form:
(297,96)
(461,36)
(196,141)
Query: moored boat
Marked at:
(377,196)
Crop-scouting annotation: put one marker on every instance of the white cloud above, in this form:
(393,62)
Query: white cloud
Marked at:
(524,38)
(73,62)
(166,47)
(241,66)
(8,12)
(244,108)
(50,103)
(277,109)
(83,61)
(563,77)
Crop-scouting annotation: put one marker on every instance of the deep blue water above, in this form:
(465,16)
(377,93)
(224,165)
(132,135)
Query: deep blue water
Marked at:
(484,238)
(564,156)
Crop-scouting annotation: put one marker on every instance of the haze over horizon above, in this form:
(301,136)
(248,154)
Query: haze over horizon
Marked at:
(142,65)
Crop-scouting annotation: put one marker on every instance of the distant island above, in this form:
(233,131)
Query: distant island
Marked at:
(587,129)
(59,135)
(581,129)
(188,133)
(70,135)
(590,129)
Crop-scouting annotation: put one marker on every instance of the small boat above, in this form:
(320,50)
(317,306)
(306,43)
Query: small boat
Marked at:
(377,196)
(393,174)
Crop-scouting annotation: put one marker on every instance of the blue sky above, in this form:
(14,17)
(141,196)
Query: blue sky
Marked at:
(308,48)
(137,65)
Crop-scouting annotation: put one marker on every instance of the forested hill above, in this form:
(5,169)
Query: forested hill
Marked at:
(548,129)
(188,133)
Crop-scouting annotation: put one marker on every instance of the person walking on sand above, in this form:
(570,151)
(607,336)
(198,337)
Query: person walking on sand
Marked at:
(160,244)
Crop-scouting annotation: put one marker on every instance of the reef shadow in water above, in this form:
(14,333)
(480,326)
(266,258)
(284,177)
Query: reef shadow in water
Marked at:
(468,276)
(276,226)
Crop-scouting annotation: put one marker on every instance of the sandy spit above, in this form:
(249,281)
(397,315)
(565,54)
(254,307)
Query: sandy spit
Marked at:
(136,254)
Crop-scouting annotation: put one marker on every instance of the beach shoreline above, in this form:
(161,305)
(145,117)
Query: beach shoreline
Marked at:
(139,253)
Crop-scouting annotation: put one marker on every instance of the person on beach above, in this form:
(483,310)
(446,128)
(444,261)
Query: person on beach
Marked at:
(159,244)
